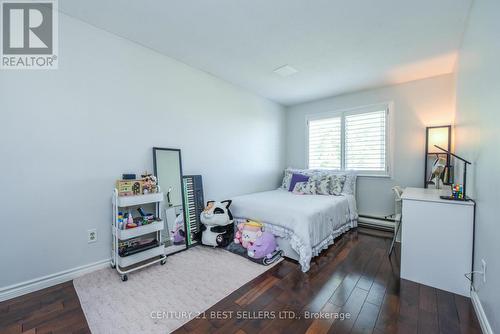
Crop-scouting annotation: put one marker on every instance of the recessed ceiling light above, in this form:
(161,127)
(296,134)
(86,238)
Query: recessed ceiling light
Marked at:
(285,71)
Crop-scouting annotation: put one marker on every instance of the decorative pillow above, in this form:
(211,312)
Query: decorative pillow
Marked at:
(305,188)
(336,184)
(349,184)
(349,187)
(297,178)
(287,177)
(322,183)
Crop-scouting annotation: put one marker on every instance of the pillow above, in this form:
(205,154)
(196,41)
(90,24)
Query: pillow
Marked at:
(322,183)
(287,177)
(350,183)
(349,187)
(297,178)
(305,188)
(336,185)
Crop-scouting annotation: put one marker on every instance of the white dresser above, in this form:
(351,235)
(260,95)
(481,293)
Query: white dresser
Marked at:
(436,240)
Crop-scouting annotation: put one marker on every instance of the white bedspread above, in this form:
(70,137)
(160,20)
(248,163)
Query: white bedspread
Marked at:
(311,222)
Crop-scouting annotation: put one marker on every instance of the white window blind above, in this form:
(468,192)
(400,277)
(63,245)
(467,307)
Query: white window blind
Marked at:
(365,140)
(325,137)
(352,140)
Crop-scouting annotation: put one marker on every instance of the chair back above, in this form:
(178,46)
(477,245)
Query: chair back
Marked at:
(398,191)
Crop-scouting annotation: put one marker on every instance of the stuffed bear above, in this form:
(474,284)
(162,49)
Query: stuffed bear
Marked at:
(217,224)
(247,233)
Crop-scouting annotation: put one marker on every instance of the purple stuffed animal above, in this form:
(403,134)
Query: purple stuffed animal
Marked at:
(264,246)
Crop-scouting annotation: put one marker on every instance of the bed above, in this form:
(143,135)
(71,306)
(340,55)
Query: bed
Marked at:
(304,224)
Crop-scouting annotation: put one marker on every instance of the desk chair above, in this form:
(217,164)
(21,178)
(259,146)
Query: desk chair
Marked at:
(397,216)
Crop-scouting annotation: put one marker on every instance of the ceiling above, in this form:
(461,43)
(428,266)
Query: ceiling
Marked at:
(336,46)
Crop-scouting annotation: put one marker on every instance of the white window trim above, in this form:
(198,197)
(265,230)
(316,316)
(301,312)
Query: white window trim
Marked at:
(389,144)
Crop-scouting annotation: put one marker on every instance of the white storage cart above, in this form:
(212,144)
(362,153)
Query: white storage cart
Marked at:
(147,257)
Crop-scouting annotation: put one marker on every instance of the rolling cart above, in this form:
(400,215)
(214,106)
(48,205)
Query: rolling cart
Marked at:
(142,258)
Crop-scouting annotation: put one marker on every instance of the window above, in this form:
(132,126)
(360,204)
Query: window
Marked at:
(351,140)
(325,143)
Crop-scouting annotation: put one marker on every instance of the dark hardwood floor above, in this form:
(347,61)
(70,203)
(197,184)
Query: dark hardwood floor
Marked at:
(53,310)
(354,277)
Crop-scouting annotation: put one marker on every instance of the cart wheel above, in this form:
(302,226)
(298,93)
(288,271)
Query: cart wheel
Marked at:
(163,262)
(124,278)
(113,265)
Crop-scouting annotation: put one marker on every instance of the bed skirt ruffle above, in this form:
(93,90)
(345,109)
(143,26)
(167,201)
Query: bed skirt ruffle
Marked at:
(306,253)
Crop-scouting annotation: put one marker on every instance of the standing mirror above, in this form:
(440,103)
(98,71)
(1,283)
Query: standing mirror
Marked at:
(168,170)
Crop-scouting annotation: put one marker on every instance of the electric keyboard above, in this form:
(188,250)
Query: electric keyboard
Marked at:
(193,197)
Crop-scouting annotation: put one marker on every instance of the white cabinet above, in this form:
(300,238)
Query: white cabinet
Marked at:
(437,240)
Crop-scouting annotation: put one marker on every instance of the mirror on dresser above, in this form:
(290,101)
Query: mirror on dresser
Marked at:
(168,170)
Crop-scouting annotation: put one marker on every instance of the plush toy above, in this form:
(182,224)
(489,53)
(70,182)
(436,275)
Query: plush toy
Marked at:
(217,224)
(264,246)
(247,233)
(149,183)
(237,234)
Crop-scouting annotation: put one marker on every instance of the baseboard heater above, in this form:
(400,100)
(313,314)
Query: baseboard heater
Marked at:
(378,223)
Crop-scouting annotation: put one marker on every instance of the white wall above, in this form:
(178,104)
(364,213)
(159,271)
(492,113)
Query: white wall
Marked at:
(68,134)
(417,104)
(478,139)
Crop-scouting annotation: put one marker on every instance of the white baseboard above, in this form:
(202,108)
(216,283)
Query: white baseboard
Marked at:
(376,222)
(481,316)
(20,289)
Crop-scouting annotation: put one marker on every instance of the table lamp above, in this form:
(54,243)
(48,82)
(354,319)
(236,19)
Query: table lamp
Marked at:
(464,177)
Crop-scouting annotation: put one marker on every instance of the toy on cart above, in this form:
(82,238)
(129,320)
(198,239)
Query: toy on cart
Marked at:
(149,183)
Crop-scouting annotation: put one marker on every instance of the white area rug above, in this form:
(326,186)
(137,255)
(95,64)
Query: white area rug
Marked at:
(190,281)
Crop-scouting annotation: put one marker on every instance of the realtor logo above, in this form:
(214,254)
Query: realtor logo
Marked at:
(29,34)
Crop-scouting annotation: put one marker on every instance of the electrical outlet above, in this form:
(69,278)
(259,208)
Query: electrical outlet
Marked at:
(92,235)
(483,269)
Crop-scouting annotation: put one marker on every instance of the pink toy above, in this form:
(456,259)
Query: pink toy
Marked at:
(237,235)
(247,233)
(264,246)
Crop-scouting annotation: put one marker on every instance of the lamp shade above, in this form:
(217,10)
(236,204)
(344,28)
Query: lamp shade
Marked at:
(440,136)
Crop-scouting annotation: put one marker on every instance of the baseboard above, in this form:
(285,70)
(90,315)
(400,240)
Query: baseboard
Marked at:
(20,289)
(376,223)
(481,316)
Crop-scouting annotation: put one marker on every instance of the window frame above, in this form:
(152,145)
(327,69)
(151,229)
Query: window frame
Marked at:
(387,106)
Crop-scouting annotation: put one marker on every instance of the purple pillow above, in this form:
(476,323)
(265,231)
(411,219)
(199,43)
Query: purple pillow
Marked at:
(297,178)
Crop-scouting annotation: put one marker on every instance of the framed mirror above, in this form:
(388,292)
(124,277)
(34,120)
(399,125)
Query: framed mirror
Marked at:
(168,169)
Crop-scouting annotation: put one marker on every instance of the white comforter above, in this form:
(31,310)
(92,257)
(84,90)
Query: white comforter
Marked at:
(311,222)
